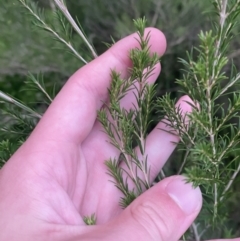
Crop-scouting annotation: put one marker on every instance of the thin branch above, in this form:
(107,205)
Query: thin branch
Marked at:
(226,118)
(156,15)
(223,16)
(64,10)
(210,82)
(163,175)
(36,82)
(204,230)
(230,182)
(194,227)
(230,84)
(48,28)
(120,143)
(229,146)
(237,4)
(9,99)
(184,161)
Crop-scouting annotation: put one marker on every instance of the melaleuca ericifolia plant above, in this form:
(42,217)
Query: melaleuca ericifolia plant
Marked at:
(208,148)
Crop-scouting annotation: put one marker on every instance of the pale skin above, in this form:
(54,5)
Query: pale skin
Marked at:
(58,175)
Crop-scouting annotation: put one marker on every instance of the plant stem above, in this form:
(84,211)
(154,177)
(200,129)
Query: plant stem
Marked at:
(9,99)
(230,182)
(211,81)
(195,232)
(49,29)
(64,10)
(36,82)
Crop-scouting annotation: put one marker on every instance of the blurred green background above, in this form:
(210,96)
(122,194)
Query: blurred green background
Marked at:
(24,48)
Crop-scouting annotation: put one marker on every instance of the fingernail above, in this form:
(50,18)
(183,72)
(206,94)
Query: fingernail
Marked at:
(189,199)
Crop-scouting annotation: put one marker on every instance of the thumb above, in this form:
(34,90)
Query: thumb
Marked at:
(163,213)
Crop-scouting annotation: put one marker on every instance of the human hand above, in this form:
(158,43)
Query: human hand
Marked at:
(58,175)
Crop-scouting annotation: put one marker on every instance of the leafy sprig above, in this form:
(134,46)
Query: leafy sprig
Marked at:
(90,220)
(213,134)
(126,127)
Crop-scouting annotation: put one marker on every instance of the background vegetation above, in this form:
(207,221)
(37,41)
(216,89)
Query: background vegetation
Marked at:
(25,49)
